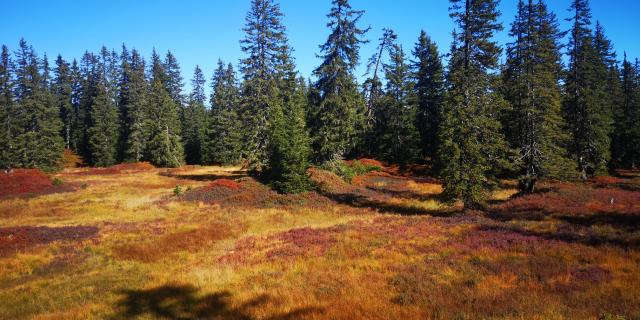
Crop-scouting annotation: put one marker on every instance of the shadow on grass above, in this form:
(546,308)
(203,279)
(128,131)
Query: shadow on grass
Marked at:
(571,235)
(598,228)
(184,302)
(361,201)
(205,177)
(406,194)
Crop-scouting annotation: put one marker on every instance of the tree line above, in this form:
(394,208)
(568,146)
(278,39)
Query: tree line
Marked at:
(476,120)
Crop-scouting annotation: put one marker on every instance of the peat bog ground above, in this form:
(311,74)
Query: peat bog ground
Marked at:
(134,241)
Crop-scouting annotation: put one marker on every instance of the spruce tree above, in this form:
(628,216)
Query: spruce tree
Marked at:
(471,144)
(587,110)
(8,112)
(626,138)
(89,78)
(123,98)
(77,127)
(38,141)
(194,120)
(103,133)
(532,85)
(223,134)
(338,114)
(162,126)
(173,79)
(428,73)
(264,38)
(289,147)
(373,91)
(135,110)
(63,95)
(398,139)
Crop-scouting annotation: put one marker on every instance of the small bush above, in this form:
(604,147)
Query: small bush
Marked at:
(608,316)
(57,182)
(350,170)
(177,191)
(71,160)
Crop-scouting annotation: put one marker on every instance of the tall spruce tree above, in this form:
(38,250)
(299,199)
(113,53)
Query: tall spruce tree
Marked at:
(164,147)
(289,148)
(587,110)
(223,134)
(613,86)
(428,73)
(123,98)
(135,110)
(38,142)
(398,137)
(89,79)
(194,119)
(63,95)
(76,99)
(173,79)
(373,88)
(103,132)
(337,117)
(471,143)
(263,41)
(8,112)
(626,138)
(532,82)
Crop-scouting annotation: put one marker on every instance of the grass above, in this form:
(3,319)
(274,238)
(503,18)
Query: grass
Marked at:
(125,246)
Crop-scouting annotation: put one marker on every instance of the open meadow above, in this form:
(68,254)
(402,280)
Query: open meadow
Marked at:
(133,241)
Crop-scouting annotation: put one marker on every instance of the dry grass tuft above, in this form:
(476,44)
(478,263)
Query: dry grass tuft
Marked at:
(19,239)
(163,246)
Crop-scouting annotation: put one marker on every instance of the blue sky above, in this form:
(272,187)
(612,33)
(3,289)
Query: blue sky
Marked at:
(201,31)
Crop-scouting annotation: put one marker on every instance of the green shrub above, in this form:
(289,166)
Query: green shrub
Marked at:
(57,182)
(349,171)
(177,191)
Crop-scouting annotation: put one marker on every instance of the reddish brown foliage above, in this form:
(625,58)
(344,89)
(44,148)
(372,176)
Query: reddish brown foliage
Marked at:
(328,181)
(575,200)
(371,162)
(305,242)
(309,242)
(247,192)
(71,160)
(163,246)
(224,183)
(16,239)
(24,181)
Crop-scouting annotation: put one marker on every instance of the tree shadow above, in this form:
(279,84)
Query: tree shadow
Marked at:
(205,177)
(406,194)
(570,235)
(182,302)
(362,201)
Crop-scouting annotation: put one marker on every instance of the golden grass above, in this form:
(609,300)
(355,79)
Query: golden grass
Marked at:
(309,262)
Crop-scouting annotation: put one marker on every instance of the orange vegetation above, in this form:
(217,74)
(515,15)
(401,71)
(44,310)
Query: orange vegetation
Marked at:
(118,169)
(24,181)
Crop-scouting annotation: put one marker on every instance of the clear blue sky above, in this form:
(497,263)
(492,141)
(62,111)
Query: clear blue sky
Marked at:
(201,31)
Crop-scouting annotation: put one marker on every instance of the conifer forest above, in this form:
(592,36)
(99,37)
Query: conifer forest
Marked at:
(482,180)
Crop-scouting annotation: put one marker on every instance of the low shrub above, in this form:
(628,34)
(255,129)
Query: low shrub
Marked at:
(57,182)
(348,170)
(177,191)
(71,160)
(23,181)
